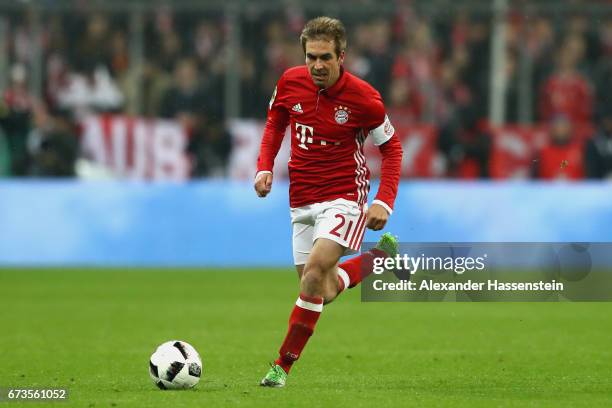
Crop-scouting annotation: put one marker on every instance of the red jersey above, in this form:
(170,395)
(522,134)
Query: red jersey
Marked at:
(570,96)
(561,162)
(328,130)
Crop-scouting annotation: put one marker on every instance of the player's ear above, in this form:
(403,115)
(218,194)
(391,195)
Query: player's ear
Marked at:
(341,57)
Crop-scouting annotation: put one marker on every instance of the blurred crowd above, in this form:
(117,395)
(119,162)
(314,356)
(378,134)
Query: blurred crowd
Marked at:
(429,69)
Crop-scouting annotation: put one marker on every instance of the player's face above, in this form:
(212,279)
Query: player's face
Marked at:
(323,63)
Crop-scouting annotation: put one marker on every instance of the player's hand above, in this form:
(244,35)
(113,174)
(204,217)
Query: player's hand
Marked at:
(376,217)
(263,184)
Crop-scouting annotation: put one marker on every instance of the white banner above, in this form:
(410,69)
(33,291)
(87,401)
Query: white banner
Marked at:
(136,148)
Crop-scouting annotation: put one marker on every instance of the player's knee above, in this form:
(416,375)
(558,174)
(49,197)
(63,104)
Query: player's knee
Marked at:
(320,263)
(313,278)
(329,297)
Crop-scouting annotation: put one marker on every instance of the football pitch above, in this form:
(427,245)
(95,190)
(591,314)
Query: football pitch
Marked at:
(93,330)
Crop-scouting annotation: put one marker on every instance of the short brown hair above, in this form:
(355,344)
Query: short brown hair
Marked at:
(325,28)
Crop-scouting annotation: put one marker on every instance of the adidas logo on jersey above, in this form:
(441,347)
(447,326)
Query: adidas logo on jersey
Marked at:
(297,108)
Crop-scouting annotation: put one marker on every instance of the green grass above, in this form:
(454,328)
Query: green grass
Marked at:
(93,331)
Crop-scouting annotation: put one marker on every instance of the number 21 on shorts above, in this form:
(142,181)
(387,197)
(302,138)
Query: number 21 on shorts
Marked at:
(336,230)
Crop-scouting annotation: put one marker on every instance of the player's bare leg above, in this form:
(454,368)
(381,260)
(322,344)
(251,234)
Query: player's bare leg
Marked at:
(320,278)
(332,283)
(300,271)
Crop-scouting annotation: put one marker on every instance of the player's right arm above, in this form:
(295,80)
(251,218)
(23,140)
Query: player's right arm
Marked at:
(276,125)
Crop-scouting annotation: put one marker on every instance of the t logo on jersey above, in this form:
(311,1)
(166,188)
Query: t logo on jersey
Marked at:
(304,134)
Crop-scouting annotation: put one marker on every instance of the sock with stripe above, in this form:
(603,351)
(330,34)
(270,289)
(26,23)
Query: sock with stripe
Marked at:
(302,322)
(353,271)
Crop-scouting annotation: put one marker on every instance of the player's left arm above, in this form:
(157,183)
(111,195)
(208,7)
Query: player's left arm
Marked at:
(383,136)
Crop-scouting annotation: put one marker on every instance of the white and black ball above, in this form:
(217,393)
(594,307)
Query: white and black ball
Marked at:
(175,365)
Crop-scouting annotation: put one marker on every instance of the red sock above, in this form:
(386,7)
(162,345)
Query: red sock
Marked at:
(302,322)
(358,268)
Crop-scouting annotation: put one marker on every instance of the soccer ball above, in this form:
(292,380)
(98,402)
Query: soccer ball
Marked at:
(175,365)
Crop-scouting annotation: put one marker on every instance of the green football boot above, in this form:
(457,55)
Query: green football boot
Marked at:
(388,244)
(276,377)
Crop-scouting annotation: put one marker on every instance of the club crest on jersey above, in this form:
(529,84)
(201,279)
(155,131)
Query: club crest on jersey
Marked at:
(389,130)
(341,114)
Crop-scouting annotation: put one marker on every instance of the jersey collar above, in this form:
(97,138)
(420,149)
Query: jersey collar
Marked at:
(336,88)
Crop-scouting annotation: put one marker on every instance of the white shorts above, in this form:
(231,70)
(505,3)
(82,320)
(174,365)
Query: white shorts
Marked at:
(340,220)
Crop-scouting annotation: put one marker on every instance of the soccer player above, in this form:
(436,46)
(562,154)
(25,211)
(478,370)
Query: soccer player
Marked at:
(330,112)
